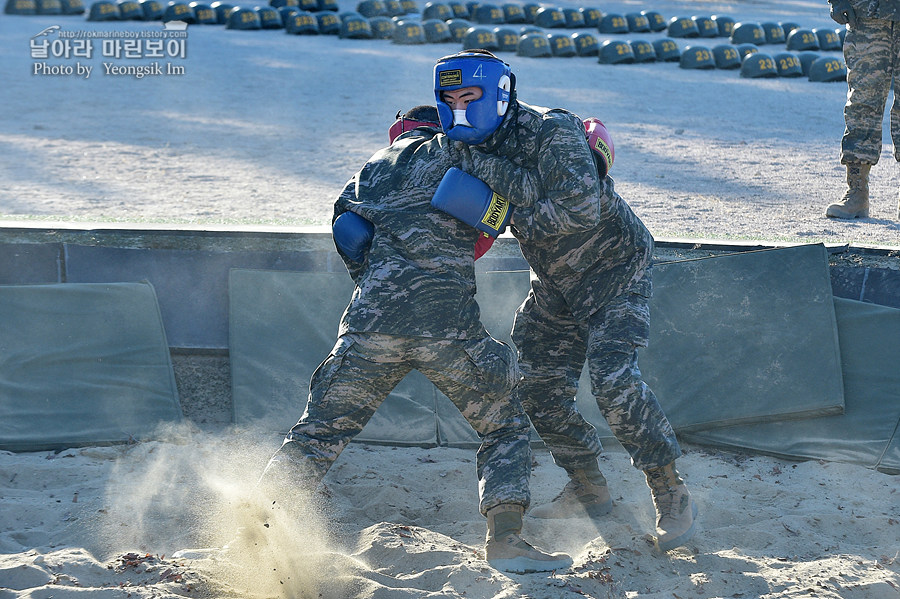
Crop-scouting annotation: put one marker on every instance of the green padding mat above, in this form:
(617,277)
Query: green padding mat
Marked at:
(867,432)
(282,325)
(82,364)
(744,338)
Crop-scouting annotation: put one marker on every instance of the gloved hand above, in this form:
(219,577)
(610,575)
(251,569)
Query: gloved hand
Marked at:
(352,235)
(842,12)
(470,200)
(601,144)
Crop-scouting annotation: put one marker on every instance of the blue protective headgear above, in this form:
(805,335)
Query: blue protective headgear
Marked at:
(473,68)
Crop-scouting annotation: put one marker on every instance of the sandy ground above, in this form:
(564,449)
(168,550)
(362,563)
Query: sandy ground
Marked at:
(265,128)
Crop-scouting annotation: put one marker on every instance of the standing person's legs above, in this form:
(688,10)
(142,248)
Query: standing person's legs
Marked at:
(344,392)
(478,376)
(551,345)
(633,411)
(867,53)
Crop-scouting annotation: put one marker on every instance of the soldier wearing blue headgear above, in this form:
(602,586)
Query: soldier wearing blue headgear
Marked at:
(590,291)
(414,307)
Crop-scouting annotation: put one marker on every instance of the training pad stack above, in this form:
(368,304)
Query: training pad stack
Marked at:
(82,364)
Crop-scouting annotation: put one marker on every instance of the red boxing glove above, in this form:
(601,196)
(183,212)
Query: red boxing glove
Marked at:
(601,144)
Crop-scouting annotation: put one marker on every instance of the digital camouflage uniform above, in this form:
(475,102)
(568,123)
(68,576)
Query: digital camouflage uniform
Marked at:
(872,54)
(414,308)
(590,287)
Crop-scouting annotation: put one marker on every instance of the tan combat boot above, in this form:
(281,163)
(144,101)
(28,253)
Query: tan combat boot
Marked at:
(586,494)
(855,202)
(506,550)
(675,509)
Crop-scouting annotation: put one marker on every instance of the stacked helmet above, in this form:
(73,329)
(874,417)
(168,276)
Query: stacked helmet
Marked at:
(586,44)
(382,28)
(408,33)
(591,16)
(637,23)
(153,11)
(826,68)
(724,23)
(128,9)
(28,7)
(601,144)
(513,13)
(550,18)
(243,18)
(436,31)
(706,26)
(697,57)
(561,44)
(302,23)
(758,65)
(534,45)
(788,64)
(683,27)
(488,14)
(774,33)
(371,8)
(480,36)
(574,18)
(802,39)
(829,39)
(667,49)
(656,20)
(458,28)
(269,18)
(789,26)
(72,7)
(748,33)
(355,26)
(222,9)
(727,56)
(507,38)
(204,13)
(643,51)
(460,10)
(615,52)
(745,49)
(437,10)
(612,23)
(473,68)
(179,11)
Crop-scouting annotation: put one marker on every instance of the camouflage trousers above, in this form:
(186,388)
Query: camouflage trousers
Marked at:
(363,368)
(553,346)
(872,54)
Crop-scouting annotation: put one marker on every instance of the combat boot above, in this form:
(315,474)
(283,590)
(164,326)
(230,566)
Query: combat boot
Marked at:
(586,494)
(675,509)
(506,550)
(855,202)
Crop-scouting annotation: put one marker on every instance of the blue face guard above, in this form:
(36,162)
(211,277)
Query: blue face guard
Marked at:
(482,116)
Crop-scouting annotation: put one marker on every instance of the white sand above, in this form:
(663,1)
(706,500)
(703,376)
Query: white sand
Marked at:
(403,522)
(265,128)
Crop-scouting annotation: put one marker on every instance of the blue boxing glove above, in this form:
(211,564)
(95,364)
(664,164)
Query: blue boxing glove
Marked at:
(470,200)
(352,235)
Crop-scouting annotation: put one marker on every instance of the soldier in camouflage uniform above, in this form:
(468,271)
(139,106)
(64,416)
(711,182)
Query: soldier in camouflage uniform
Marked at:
(872,54)
(414,308)
(590,289)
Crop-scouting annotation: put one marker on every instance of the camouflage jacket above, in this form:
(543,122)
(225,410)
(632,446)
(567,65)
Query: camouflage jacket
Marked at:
(888,10)
(578,235)
(418,278)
